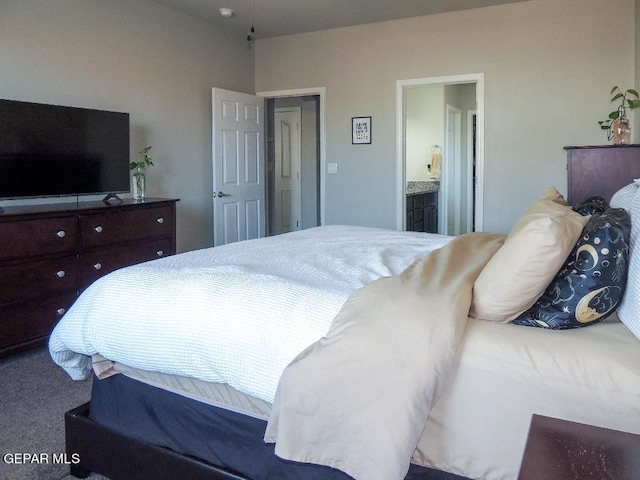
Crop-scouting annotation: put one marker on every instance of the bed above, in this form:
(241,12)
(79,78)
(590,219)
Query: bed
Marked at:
(242,361)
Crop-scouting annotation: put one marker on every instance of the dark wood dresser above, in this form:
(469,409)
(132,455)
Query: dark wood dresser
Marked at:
(50,253)
(600,170)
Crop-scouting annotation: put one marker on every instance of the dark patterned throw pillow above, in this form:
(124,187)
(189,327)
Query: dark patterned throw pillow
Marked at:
(590,285)
(591,206)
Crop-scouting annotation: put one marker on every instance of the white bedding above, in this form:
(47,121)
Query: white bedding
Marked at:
(505,373)
(478,428)
(222,308)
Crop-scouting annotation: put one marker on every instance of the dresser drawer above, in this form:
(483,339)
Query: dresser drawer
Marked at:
(95,264)
(29,280)
(38,237)
(115,227)
(21,322)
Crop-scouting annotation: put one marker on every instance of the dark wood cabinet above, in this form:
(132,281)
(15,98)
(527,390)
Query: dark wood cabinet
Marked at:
(422,212)
(50,253)
(600,170)
(562,450)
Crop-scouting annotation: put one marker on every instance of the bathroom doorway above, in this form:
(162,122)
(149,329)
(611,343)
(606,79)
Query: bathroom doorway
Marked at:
(434,117)
(294,154)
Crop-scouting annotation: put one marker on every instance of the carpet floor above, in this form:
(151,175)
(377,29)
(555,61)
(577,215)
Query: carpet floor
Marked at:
(34,394)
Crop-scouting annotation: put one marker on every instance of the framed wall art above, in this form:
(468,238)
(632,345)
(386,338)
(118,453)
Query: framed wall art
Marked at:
(360,130)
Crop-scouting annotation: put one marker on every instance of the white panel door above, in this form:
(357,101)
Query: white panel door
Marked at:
(449,206)
(238,166)
(287,140)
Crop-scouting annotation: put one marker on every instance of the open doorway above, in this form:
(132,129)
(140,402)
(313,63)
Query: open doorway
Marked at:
(434,155)
(293,169)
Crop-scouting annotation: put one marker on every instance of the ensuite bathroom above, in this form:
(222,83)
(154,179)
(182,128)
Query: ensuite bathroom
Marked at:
(440,143)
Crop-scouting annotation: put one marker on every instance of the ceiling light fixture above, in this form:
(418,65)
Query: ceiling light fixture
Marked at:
(226,12)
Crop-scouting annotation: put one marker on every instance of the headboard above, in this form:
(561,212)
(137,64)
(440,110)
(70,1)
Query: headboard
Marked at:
(600,170)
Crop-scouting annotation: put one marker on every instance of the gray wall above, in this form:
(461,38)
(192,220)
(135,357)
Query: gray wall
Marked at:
(548,67)
(424,128)
(139,57)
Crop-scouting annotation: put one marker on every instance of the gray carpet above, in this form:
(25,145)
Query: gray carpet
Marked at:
(34,394)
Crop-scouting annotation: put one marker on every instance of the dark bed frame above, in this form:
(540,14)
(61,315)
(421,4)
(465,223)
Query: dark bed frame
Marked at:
(109,453)
(116,456)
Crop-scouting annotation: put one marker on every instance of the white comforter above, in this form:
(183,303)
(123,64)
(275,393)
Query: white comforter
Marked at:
(237,314)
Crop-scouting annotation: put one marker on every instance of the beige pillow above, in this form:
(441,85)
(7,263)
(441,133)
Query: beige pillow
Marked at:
(533,252)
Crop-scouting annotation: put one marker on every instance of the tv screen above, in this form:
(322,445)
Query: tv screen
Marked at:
(50,150)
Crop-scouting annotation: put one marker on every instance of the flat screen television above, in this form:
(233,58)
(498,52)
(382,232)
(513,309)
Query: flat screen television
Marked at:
(56,151)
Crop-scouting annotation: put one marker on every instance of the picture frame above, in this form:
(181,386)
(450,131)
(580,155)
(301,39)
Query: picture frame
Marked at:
(360,130)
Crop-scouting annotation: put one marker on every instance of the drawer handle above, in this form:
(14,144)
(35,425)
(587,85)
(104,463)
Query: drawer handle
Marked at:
(60,234)
(98,229)
(61,311)
(160,253)
(160,220)
(98,266)
(60,274)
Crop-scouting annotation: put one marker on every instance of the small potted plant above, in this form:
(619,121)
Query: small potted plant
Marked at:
(617,125)
(139,187)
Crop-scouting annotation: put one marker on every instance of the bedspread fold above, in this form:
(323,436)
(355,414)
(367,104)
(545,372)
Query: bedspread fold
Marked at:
(358,398)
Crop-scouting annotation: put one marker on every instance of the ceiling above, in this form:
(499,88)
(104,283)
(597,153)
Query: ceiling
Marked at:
(273,18)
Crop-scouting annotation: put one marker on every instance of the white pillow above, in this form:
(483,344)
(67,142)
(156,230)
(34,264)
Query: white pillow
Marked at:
(535,249)
(628,197)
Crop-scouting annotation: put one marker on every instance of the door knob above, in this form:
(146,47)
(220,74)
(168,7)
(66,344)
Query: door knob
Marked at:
(221,194)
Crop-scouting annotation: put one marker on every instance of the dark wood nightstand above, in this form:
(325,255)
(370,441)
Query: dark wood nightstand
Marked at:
(562,450)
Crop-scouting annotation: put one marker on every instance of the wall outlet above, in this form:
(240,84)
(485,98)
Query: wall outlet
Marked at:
(332,168)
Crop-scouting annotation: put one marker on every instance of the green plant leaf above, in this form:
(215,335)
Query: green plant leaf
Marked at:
(146,159)
(619,95)
(634,104)
(633,92)
(613,90)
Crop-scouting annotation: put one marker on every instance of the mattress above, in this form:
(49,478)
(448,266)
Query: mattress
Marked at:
(503,374)
(215,394)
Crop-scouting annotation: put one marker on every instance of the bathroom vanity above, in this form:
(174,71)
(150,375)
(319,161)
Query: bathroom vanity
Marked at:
(422,206)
